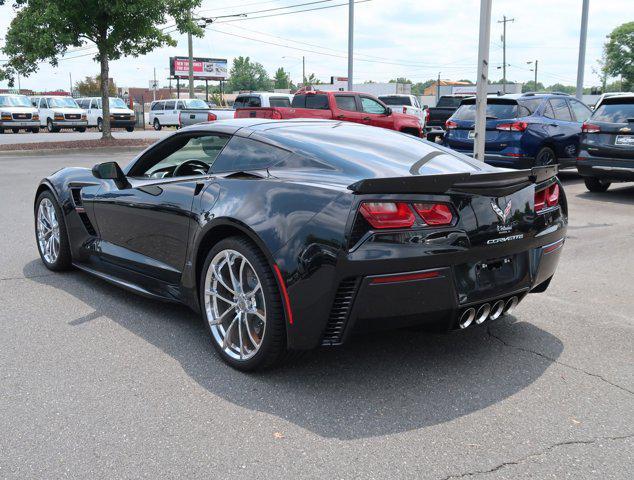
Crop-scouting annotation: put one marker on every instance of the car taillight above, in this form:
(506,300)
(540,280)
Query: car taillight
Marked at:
(435,213)
(427,115)
(211,117)
(547,197)
(590,128)
(450,124)
(512,127)
(387,214)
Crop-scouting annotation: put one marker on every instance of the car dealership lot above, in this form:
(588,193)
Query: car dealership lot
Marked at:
(98,382)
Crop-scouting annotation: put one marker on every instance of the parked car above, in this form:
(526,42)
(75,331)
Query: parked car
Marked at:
(408,104)
(17,113)
(58,112)
(179,113)
(606,152)
(522,130)
(262,99)
(437,116)
(287,235)
(346,106)
(120,115)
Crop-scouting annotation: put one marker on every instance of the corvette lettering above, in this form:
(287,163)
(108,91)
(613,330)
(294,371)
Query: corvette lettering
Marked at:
(505,239)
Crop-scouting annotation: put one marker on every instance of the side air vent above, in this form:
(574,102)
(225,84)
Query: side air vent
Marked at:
(340,312)
(81,211)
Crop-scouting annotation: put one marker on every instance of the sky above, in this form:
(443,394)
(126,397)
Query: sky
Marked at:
(392,38)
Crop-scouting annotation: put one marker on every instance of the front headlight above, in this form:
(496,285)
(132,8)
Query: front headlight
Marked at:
(36,116)
(83,116)
(58,116)
(5,116)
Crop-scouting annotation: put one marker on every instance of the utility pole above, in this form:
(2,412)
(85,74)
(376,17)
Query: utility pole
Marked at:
(438,89)
(536,63)
(70,79)
(504,22)
(582,48)
(483,79)
(350,41)
(154,86)
(303,71)
(190,48)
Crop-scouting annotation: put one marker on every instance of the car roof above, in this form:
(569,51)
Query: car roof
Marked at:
(265,94)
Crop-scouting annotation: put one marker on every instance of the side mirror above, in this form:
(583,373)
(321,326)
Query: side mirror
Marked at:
(425,107)
(110,171)
(388,111)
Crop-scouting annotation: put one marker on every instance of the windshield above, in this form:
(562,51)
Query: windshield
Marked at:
(390,100)
(65,102)
(614,112)
(15,101)
(117,103)
(467,111)
(195,103)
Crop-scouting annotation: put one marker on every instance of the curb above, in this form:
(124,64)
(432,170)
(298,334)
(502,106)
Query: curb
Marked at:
(69,150)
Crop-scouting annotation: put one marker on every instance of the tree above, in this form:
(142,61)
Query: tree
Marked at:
(91,87)
(44,30)
(281,79)
(248,75)
(559,87)
(530,87)
(400,80)
(312,80)
(618,54)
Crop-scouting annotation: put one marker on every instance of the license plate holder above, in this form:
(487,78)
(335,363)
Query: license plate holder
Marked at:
(494,272)
(627,140)
(471,134)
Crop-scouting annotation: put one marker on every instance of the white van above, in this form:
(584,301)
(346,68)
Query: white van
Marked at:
(262,99)
(60,112)
(120,115)
(179,113)
(17,113)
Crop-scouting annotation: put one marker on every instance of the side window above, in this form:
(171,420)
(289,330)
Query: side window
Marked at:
(560,107)
(243,154)
(240,102)
(93,103)
(157,106)
(279,102)
(369,105)
(317,102)
(299,101)
(180,105)
(548,111)
(582,113)
(34,102)
(169,105)
(346,102)
(254,102)
(192,155)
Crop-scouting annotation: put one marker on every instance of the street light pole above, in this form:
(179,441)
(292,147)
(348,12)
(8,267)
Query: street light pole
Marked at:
(190,47)
(483,79)
(303,71)
(582,48)
(504,22)
(350,41)
(536,63)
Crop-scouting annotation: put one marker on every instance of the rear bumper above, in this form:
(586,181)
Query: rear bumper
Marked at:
(614,169)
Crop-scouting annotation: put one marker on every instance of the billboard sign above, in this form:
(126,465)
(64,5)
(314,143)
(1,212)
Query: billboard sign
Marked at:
(204,68)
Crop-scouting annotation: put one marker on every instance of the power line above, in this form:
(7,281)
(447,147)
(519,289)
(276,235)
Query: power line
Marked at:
(227,7)
(291,13)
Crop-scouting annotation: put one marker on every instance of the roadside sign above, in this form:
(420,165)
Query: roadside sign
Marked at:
(204,68)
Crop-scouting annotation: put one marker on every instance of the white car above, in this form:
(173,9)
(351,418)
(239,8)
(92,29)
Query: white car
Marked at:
(179,113)
(60,112)
(120,115)
(262,99)
(408,104)
(17,113)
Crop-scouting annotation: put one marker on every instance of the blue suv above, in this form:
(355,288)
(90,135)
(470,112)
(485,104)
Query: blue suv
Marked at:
(522,131)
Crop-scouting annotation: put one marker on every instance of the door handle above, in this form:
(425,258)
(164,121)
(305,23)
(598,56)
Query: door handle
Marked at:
(553,124)
(366,118)
(340,117)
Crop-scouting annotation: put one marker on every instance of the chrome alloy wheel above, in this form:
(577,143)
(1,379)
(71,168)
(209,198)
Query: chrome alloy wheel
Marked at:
(48,231)
(235,305)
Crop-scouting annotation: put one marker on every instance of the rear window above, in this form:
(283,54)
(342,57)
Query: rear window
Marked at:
(318,102)
(614,112)
(393,100)
(279,102)
(449,102)
(495,110)
(247,102)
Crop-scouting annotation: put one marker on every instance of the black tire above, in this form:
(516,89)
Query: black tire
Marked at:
(1,131)
(50,128)
(64,258)
(546,156)
(595,185)
(273,347)
(15,130)
(100,124)
(35,130)
(129,129)
(157,125)
(80,129)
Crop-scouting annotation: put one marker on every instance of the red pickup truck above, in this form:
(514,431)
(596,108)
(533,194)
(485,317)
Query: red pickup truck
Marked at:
(346,106)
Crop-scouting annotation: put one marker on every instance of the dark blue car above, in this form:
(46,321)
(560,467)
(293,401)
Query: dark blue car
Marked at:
(522,131)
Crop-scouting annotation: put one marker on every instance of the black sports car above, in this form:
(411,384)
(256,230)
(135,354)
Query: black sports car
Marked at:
(287,235)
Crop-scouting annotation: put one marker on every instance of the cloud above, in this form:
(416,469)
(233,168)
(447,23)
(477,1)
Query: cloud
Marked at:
(393,38)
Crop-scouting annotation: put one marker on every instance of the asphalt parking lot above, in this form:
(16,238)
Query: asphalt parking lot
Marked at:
(99,383)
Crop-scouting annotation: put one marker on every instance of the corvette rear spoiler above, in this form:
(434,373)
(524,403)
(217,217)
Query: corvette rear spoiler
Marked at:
(492,183)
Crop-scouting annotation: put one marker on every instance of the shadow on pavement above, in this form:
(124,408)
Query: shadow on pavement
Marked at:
(376,385)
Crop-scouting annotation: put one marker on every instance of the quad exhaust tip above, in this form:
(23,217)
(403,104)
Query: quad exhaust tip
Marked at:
(497,310)
(483,313)
(467,317)
(511,303)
